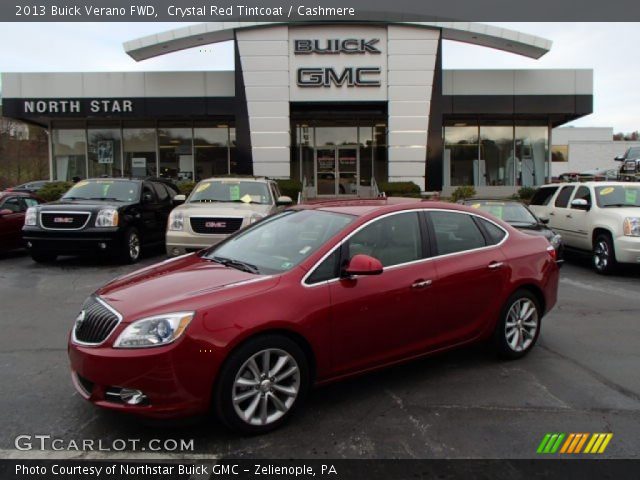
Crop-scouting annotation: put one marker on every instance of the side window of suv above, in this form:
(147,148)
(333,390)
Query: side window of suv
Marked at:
(161,192)
(563,197)
(456,232)
(393,240)
(543,196)
(147,190)
(583,193)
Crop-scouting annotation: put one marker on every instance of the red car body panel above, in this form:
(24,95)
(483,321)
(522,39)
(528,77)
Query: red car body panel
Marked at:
(348,325)
(11,224)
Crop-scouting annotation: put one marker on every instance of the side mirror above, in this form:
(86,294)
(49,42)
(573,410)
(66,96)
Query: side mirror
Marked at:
(5,211)
(619,158)
(363,265)
(580,204)
(147,197)
(284,200)
(179,199)
(544,220)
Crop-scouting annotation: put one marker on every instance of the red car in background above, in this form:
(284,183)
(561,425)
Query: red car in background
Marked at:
(13,206)
(305,297)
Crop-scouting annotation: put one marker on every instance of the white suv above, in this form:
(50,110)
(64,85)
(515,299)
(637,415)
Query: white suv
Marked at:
(600,217)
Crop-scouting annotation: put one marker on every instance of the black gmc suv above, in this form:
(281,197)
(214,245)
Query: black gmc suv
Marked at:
(116,216)
(630,169)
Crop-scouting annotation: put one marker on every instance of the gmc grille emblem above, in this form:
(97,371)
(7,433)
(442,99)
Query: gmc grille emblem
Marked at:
(62,220)
(215,224)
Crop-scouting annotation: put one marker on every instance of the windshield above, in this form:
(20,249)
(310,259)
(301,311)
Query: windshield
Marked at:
(116,190)
(618,196)
(633,153)
(508,212)
(230,191)
(280,243)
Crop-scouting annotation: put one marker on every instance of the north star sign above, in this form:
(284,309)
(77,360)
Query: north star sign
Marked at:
(97,106)
(328,76)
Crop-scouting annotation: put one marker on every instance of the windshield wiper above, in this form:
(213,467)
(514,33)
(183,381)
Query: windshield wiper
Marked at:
(105,198)
(250,201)
(74,198)
(237,264)
(205,200)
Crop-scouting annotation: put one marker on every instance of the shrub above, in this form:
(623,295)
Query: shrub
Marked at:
(290,188)
(526,193)
(400,189)
(53,191)
(462,193)
(186,187)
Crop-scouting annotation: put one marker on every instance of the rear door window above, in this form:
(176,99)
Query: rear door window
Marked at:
(455,232)
(563,197)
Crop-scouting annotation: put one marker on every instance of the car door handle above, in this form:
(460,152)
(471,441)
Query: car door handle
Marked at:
(495,265)
(552,214)
(421,283)
(569,216)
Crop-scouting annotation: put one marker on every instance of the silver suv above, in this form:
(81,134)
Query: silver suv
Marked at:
(218,207)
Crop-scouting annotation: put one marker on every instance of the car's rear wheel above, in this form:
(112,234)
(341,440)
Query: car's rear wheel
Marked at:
(131,247)
(604,255)
(519,326)
(43,257)
(261,384)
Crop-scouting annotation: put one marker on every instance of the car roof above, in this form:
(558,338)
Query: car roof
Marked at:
(17,194)
(238,178)
(590,184)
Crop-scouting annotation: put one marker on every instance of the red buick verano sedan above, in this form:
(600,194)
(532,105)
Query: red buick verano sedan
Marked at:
(306,297)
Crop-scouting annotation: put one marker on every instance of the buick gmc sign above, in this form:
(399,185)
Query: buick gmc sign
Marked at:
(328,76)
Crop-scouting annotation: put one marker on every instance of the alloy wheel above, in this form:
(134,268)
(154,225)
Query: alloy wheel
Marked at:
(601,255)
(134,246)
(266,387)
(521,325)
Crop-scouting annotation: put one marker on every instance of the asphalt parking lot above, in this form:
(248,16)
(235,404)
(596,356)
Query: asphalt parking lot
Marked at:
(582,377)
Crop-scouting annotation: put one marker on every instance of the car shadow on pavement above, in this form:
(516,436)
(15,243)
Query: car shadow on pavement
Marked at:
(584,261)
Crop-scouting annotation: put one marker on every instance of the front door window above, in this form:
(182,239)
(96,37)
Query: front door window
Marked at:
(337,170)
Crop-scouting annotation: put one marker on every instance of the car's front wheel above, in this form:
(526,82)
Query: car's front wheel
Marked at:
(131,247)
(261,384)
(519,326)
(604,255)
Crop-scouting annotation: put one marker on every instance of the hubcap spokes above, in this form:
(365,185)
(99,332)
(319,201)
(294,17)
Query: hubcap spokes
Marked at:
(601,255)
(521,325)
(266,387)
(134,246)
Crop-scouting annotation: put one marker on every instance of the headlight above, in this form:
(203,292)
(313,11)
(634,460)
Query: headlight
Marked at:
(631,226)
(176,220)
(256,217)
(555,241)
(31,217)
(154,331)
(107,217)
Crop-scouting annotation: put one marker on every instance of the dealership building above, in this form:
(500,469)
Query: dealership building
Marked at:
(341,107)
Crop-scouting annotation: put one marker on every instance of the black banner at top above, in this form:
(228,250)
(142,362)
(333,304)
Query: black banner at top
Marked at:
(313,11)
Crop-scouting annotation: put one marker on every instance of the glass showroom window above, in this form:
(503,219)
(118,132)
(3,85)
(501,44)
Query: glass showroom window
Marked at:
(104,152)
(532,153)
(497,161)
(175,145)
(211,147)
(380,163)
(303,166)
(461,154)
(233,152)
(69,154)
(139,151)
(365,140)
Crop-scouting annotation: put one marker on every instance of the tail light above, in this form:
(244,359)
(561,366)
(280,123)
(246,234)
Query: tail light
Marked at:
(552,253)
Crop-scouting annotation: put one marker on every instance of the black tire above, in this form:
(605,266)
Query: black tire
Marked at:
(604,255)
(127,253)
(43,257)
(225,388)
(511,345)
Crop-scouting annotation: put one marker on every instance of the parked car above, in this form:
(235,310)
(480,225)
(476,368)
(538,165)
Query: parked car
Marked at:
(630,168)
(114,216)
(598,217)
(13,206)
(217,207)
(29,187)
(519,216)
(308,296)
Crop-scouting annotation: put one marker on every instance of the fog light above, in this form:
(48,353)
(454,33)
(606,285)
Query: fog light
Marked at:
(102,245)
(132,397)
(175,252)
(29,244)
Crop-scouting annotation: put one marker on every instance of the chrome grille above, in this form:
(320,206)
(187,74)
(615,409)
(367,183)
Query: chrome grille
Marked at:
(95,322)
(64,220)
(215,225)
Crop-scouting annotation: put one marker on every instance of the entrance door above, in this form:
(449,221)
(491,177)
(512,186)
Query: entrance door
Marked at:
(337,170)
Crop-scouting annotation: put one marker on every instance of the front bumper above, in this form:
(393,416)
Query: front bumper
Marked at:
(627,249)
(179,243)
(166,375)
(73,242)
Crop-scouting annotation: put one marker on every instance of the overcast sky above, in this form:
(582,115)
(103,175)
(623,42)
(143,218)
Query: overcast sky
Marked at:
(610,49)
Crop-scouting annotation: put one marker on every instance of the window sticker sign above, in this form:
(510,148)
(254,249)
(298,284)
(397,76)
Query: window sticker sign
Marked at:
(202,187)
(234,192)
(630,195)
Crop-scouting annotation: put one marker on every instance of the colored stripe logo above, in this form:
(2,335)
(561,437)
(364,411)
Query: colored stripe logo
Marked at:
(573,443)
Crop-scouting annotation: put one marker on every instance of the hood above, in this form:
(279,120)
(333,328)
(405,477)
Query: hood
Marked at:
(85,205)
(180,284)
(236,209)
(623,211)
